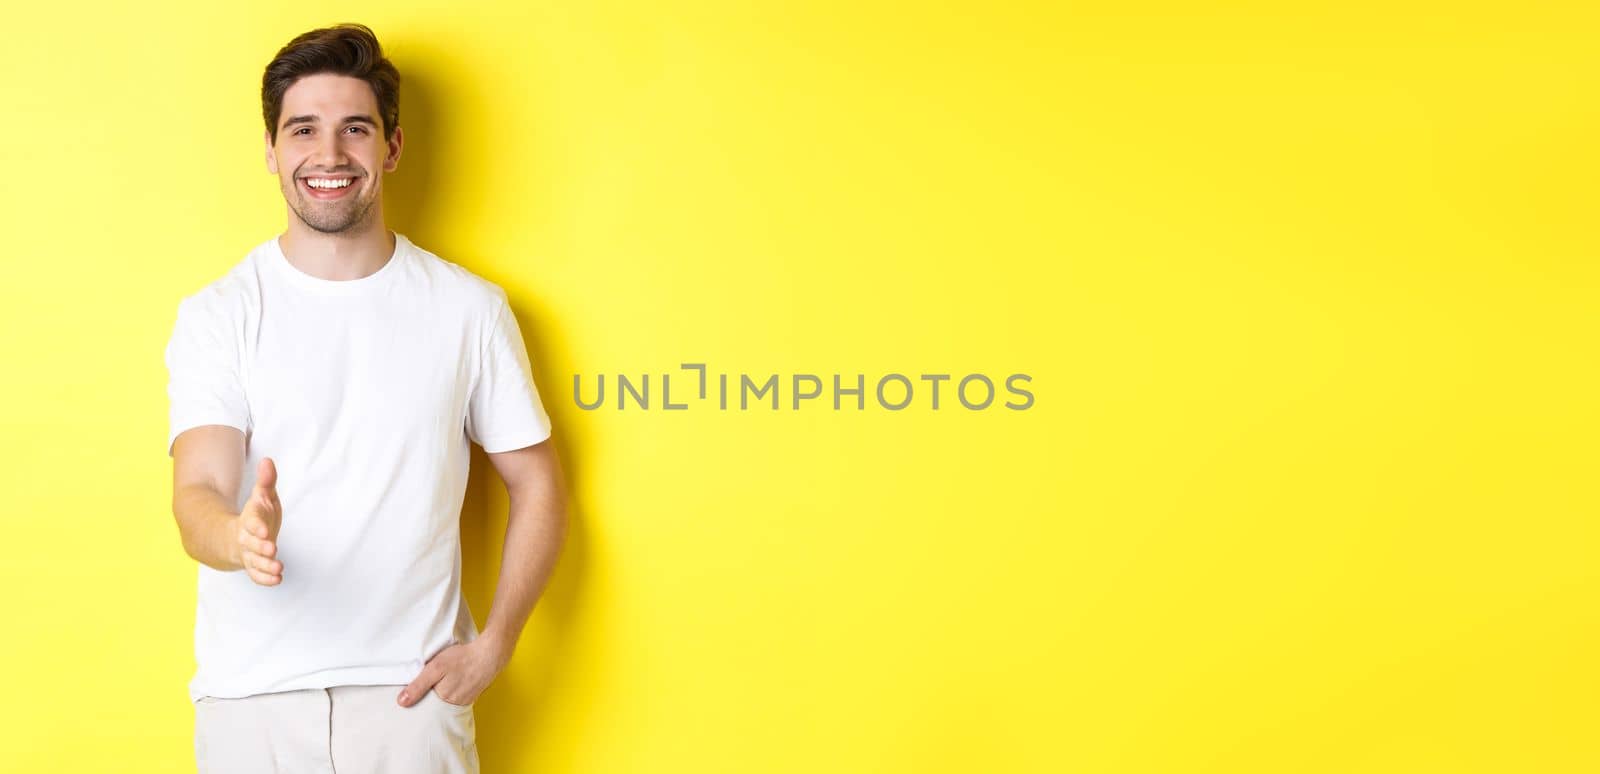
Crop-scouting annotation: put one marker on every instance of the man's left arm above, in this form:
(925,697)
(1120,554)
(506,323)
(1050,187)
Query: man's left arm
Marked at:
(535,531)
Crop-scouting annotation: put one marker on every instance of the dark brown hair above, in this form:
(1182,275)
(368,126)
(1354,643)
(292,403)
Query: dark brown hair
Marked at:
(343,49)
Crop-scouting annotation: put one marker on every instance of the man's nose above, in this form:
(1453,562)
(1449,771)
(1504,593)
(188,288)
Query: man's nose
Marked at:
(329,153)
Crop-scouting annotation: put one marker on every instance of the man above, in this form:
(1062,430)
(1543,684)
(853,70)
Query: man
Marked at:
(323,396)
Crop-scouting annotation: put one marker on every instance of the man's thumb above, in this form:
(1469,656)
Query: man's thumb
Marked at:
(266,474)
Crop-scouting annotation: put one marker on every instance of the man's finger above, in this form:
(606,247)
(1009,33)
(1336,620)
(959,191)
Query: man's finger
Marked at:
(265,568)
(263,578)
(266,548)
(253,566)
(262,564)
(419,686)
(253,525)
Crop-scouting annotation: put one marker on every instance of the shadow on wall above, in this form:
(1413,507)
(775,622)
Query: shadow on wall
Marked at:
(519,693)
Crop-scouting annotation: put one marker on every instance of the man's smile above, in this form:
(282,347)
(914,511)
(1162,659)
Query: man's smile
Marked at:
(326,188)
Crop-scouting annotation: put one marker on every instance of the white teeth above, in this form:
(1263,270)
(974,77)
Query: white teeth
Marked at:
(317,182)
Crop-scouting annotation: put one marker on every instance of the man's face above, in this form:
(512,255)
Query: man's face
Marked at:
(329,130)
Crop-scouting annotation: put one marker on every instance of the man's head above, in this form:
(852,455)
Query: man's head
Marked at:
(331,102)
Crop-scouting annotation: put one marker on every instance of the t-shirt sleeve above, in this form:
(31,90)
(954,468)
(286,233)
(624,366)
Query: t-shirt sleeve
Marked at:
(203,383)
(504,411)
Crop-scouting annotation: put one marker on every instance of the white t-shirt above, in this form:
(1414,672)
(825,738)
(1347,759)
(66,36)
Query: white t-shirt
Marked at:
(365,394)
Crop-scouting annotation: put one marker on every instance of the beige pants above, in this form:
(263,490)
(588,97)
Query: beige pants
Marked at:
(346,729)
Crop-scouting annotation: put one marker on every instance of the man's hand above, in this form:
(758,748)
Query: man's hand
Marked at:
(256,528)
(459,673)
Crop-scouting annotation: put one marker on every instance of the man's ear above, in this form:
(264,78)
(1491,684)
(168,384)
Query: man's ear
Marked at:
(392,160)
(272,156)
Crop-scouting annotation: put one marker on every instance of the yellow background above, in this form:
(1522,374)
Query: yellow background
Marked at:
(1307,292)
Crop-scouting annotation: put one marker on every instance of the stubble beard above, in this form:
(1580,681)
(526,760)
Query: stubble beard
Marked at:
(330,217)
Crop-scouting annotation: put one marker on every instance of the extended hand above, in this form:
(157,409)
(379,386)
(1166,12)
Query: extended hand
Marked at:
(458,673)
(257,528)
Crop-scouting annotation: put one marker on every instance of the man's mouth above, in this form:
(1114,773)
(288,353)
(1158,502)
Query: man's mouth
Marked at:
(326,187)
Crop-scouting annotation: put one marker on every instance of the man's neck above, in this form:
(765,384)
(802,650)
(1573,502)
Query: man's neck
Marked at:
(339,257)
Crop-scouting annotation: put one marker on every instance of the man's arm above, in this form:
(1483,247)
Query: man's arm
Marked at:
(535,531)
(207,462)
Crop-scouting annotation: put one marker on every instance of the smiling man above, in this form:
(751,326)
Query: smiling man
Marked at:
(324,394)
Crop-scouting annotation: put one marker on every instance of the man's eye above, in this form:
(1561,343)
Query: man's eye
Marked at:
(301,129)
(360,129)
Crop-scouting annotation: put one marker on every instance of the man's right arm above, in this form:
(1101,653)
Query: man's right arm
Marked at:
(207,463)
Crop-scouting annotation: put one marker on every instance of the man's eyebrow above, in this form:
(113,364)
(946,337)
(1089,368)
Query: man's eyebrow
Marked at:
(362,118)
